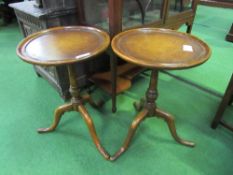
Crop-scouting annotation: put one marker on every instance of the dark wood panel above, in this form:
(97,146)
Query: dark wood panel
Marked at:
(218,3)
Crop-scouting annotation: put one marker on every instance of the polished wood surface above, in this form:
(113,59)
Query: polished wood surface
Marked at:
(67,45)
(167,19)
(63,45)
(157,49)
(77,104)
(147,108)
(160,48)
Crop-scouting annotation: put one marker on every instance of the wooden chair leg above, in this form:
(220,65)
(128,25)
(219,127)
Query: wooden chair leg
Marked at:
(231,100)
(227,98)
(229,36)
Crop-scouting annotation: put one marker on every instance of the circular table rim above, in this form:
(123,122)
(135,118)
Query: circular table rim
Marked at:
(20,51)
(159,66)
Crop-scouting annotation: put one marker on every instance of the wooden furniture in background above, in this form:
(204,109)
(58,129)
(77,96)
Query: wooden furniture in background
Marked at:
(158,53)
(110,15)
(32,19)
(117,15)
(229,36)
(34,16)
(218,3)
(66,46)
(6,13)
(226,100)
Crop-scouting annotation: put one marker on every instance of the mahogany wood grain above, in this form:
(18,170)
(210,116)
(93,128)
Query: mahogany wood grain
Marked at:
(157,49)
(63,45)
(160,48)
(66,46)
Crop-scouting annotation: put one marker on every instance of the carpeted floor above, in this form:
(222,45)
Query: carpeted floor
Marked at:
(212,25)
(27,103)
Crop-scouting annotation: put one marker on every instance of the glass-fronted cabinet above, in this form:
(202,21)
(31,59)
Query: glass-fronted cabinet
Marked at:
(117,15)
(133,12)
(110,15)
(96,13)
(178,6)
(141,12)
(180,12)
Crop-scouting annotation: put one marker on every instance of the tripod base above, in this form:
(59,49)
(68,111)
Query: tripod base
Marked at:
(79,107)
(147,108)
(139,118)
(76,104)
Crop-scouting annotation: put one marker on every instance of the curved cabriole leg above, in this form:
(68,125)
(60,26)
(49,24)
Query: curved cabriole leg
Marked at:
(57,117)
(92,131)
(139,118)
(171,124)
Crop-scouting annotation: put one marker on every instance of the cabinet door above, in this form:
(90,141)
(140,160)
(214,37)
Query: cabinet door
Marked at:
(178,6)
(134,12)
(94,13)
(181,12)
(141,12)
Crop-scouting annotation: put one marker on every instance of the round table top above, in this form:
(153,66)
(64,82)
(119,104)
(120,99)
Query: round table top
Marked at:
(63,45)
(160,48)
